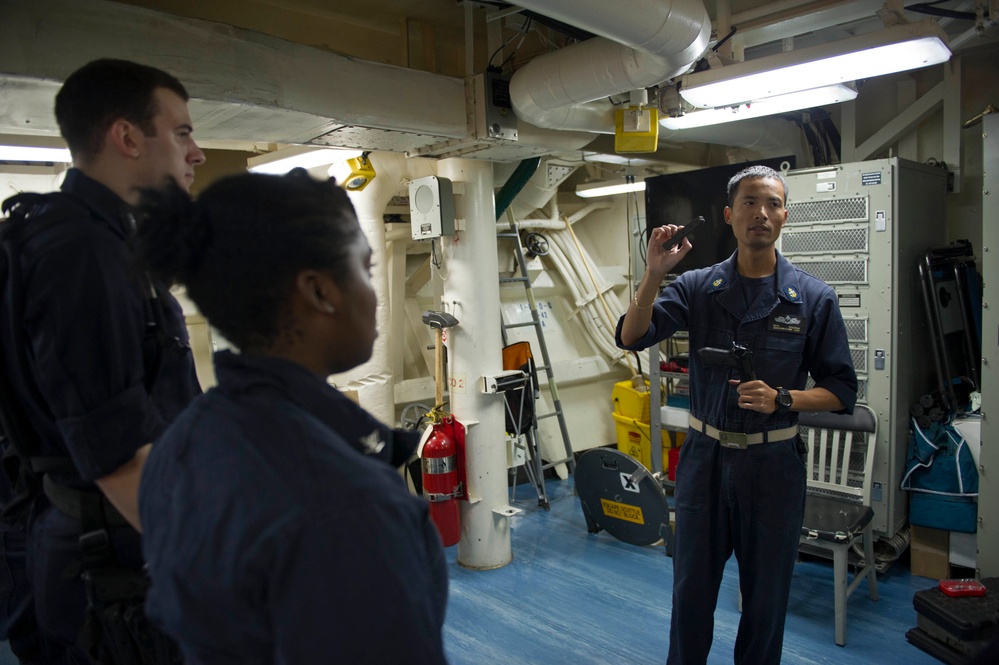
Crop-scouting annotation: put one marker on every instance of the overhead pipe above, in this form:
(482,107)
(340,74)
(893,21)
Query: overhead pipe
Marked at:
(770,137)
(635,49)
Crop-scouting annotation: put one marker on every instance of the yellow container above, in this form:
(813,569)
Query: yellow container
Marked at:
(634,438)
(631,403)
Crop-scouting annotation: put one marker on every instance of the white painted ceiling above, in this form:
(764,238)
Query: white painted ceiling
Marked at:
(429,36)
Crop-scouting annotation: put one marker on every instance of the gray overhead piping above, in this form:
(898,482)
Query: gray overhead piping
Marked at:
(652,41)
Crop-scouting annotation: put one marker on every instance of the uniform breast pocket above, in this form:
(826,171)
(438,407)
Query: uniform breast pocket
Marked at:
(779,357)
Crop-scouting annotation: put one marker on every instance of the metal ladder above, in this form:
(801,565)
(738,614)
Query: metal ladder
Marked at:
(533,443)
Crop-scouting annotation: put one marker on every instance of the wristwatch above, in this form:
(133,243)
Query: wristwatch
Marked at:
(783,400)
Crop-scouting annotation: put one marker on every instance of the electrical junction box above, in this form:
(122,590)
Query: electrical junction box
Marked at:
(494,116)
(636,129)
(431,207)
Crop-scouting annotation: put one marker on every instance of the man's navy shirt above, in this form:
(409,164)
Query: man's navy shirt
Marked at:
(91,393)
(795,332)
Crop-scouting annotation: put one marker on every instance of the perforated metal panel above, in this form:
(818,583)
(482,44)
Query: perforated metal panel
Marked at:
(836,272)
(859,360)
(824,241)
(898,206)
(856,329)
(832,211)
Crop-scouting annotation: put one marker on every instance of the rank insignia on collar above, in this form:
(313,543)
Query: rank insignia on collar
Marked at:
(717,282)
(791,292)
(372,443)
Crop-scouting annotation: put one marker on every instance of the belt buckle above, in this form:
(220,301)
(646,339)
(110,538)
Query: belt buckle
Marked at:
(737,440)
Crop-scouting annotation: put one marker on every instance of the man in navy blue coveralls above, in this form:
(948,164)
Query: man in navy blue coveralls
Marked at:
(100,386)
(740,480)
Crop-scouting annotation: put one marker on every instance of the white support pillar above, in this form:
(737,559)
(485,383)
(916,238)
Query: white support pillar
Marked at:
(374,379)
(471,294)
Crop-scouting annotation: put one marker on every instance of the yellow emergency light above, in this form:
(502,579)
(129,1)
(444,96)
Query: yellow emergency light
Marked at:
(361,173)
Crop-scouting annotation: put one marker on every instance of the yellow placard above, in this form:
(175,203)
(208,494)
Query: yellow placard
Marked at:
(622,511)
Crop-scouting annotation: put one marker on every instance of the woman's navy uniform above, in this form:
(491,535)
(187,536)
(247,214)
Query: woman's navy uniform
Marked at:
(279,530)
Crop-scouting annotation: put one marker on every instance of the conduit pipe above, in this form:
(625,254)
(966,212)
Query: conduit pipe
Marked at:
(651,42)
(591,315)
(567,259)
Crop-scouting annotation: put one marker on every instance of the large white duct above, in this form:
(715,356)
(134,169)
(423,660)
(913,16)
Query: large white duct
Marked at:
(636,49)
(767,137)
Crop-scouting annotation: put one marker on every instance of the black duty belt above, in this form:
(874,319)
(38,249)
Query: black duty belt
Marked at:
(74,502)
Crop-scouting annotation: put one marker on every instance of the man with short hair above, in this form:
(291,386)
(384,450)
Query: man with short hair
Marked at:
(96,352)
(740,480)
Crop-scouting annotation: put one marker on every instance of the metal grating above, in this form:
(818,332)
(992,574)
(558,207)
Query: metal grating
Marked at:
(824,241)
(832,210)
(836,272)
(856,329)
(859,360)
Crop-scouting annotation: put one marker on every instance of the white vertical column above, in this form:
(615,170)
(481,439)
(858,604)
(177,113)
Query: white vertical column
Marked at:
(471,294)
(374,379)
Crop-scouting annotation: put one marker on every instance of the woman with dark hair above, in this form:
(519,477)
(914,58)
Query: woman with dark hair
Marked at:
(277,529)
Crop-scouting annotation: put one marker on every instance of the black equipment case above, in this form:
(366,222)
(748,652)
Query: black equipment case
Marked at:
(955,629)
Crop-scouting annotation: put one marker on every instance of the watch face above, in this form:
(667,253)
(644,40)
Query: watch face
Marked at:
(783,398)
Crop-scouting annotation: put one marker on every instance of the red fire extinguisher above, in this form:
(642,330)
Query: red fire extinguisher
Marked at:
(441,486)
(443,454)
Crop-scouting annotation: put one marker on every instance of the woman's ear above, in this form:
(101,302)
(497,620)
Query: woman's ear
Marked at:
(318,291)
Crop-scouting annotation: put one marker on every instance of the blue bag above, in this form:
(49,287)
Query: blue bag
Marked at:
(942,479)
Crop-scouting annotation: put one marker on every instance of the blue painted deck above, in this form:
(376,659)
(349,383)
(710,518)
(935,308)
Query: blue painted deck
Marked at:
(576,598)
(570,597)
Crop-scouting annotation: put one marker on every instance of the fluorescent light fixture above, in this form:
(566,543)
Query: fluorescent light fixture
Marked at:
(895,49)
(21,153)
(607,188)
(830,94)
(280,162)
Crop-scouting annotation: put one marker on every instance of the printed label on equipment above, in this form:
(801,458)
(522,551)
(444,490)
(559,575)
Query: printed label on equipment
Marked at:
(825,186)
(622,511)
(848,299)
(868,179)
(629,484)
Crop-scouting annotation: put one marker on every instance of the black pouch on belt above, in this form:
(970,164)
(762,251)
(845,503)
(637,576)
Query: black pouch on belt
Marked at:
(117,631)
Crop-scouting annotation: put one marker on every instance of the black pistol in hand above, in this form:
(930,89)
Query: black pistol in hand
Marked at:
(682,233)
(738,358)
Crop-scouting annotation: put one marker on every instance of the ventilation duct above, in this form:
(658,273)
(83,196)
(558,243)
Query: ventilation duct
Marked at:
(636,49)
(766,137)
